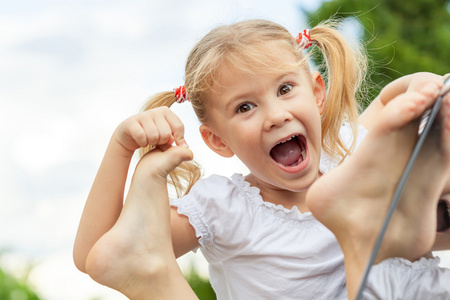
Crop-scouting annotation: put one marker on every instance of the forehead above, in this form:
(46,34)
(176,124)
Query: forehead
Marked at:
(269,60)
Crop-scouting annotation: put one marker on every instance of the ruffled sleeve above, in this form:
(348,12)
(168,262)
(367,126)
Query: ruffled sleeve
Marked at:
(204,206)
(397,278)
(189,207)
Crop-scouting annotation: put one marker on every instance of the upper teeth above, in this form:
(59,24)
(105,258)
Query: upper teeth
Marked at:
(294,136)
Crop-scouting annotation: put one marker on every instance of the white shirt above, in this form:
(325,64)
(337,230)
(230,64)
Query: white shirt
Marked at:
(397,278)
(257,250)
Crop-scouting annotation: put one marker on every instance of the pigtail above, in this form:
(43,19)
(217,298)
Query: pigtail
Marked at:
(187,173)
(346,68)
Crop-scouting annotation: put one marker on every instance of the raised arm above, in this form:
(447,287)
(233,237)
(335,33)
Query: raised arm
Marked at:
(105,201)
(104,204)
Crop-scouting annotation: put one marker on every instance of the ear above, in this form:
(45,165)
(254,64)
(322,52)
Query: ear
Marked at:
(319,91)
(214,142)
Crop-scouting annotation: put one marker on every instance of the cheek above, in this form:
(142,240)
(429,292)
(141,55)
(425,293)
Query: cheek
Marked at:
(240,139)
(315,131)
(314,121)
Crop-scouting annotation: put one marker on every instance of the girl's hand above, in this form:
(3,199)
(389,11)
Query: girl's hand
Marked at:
(158,127)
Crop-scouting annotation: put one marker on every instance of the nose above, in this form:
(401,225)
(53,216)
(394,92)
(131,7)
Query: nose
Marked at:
(276,115)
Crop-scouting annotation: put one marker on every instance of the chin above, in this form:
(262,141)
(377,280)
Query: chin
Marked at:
(305,182)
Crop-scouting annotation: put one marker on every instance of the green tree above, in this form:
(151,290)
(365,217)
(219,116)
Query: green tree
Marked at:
(12,288)
(201,286)
(401,37)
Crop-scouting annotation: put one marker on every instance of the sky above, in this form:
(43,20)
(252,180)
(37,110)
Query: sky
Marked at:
(70,72)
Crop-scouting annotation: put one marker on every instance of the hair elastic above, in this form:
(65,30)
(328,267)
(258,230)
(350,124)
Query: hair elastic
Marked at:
(180,94)
(304,39)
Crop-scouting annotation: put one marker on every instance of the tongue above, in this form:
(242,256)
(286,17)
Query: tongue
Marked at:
(287,153)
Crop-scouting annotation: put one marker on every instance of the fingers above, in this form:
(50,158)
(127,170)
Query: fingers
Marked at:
(158,131)
(162,127)
(177,129)
(155,127)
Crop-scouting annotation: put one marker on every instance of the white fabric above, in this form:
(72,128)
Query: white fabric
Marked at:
(398,278)
(257,250)
(327,163)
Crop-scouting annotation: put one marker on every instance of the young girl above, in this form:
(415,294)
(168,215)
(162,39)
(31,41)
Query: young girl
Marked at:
(147,269)
(252,90)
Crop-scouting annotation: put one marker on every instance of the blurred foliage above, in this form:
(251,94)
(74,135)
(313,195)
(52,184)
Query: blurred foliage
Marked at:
(12,288)
(200,285)
(401,37)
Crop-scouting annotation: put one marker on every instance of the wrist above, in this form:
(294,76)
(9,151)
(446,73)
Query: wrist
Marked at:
(119,149)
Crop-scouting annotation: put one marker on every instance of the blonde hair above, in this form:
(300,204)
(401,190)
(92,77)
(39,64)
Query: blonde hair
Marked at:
(245,47)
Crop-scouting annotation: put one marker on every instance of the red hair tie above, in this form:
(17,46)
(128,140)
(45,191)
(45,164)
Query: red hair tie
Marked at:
(304,39)
(180,94)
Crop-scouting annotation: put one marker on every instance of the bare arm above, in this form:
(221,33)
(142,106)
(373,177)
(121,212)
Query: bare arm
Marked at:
(104,203)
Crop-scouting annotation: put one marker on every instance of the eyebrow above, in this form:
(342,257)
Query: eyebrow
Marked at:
(232,101)
(235,98)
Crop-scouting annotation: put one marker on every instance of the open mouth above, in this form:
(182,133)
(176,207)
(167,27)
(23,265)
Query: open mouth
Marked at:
(443,216)
(290,152)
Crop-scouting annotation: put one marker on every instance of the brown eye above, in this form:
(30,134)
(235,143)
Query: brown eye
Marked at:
(245,107)
(284,89)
